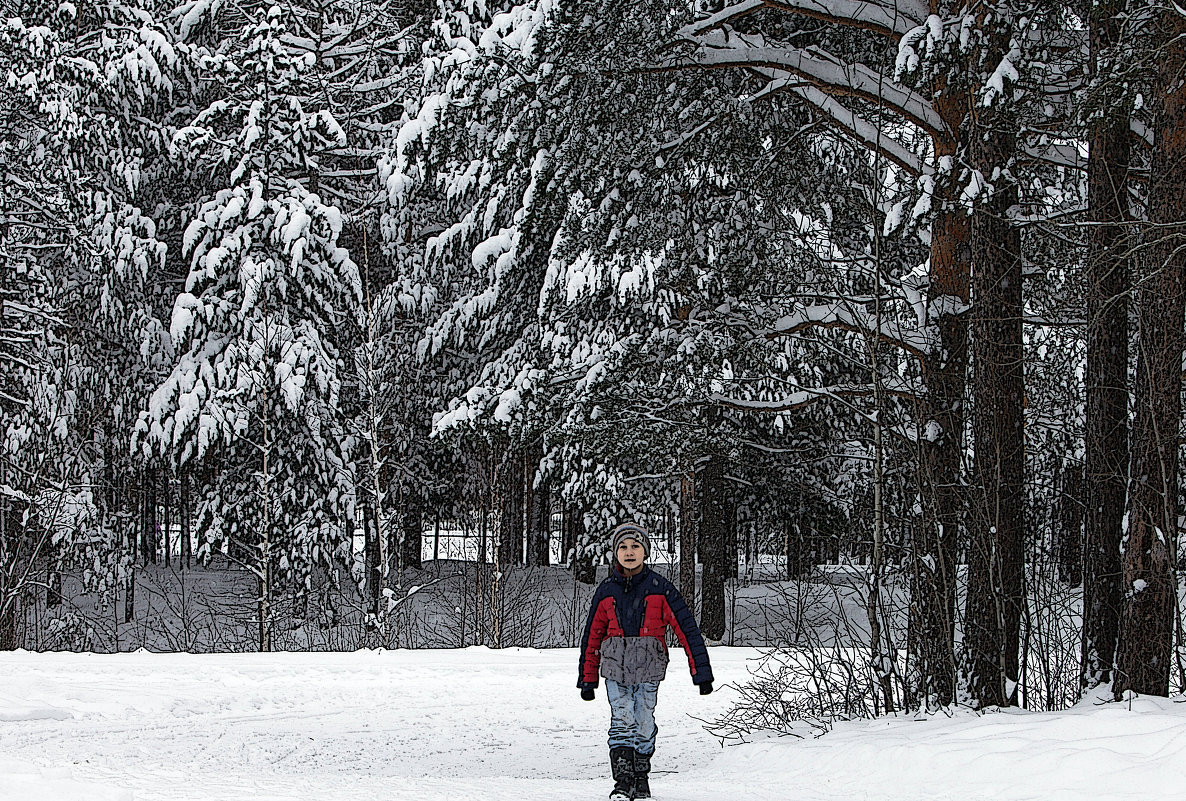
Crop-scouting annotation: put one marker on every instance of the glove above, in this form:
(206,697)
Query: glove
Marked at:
(587,694)
(706,688)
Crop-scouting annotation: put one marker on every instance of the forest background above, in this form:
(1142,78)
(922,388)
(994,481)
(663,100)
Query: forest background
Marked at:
(293,293)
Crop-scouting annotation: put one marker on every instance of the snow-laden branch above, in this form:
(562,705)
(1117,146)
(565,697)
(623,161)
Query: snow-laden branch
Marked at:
(843,316)
(22,402)
(722,17)
(837,114)
(832,76)
(806,397)
(25,310)
(1059,154)
(893,21)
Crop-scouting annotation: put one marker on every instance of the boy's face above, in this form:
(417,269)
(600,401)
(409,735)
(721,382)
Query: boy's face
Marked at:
(630,554)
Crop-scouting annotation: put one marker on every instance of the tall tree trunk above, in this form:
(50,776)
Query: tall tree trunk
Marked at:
(584,568)
(183,501)
(134,503)
(940,416)
(436,535)
(154,525)
(992,627)
(483,530)
(1150,599)
(713,547)
(53,579)
(539,512)
(1068,525)
(373,553)
(687,538)
(10,531)
(566,542)
(731,537)
(128,539)
(147,515)
(413,530)
(9,639)
(793,548)
(267,547)
(130,594)
(167,515)
(1106,430)
(511,534)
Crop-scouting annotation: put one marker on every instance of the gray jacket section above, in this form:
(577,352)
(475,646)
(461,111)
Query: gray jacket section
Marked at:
(633,660)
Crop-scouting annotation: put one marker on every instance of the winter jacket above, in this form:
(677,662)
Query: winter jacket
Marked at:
(626,630)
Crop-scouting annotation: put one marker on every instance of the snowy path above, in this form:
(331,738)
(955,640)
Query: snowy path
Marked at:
(503,725)
(420,725)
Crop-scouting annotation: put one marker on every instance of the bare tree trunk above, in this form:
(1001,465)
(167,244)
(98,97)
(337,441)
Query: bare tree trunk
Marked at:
(1106,430)
(566,540)
(130,594)
(133,501)
(584,568)
(186,539)
(539,512)
(941,421)
(413,544)
(148,516)
(1149,607)
(167,515)
(940,416)
(373,552)
(436,535)
(9,639)
(992,627)
(511,535)
(882,657)
(154,521)
(1068,525)
(53,579)
(264,576)
(793,548)
(130,532)
(687,538)
(483,530)
(713,547)
(731,538)
(8,629)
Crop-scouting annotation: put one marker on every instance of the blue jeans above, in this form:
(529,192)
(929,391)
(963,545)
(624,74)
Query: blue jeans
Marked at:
(632,715)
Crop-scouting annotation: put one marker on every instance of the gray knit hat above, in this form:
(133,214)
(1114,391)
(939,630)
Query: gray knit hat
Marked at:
(632,531)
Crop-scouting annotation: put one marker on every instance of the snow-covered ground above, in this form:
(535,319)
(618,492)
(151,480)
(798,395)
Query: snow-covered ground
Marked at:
(429,725)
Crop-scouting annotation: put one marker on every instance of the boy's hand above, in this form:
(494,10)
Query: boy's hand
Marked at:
(587,694)
(706,688)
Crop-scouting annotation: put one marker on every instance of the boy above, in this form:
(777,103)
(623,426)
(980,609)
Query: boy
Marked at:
(624,636)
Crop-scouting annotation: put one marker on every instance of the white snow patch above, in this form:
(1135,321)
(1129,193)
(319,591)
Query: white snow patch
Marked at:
(501,725)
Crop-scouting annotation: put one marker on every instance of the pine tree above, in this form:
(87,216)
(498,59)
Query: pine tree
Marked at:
(255,378)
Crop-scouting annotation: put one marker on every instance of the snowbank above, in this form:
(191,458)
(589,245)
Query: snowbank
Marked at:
(498,725)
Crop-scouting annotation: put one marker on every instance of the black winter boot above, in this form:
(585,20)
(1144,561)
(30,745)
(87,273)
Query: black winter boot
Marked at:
(642,766)
(621,763)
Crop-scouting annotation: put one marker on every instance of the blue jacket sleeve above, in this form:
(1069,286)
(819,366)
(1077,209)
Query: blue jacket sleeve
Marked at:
(690,634)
